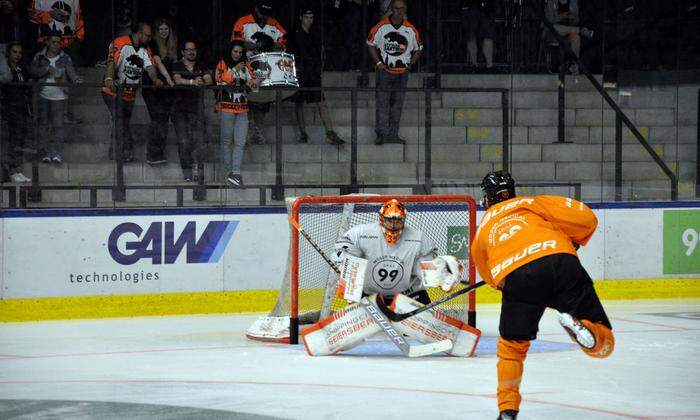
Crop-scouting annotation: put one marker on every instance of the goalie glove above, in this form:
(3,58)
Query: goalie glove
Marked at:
(441,272)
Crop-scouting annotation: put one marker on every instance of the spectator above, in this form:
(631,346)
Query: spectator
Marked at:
(346,14)
(234,70)
(188,110)
(394,45)
(127,59)
(478,23)
(16,102)
(65,19)
(306,45)
(563,14)
(52,65)
(9,32)
(260,33)
(159,101)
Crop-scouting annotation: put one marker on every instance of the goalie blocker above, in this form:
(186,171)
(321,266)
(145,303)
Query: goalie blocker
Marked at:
(350,326)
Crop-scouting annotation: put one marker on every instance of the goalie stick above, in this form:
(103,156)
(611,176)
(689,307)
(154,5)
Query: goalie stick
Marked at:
(377,315)
(400,317)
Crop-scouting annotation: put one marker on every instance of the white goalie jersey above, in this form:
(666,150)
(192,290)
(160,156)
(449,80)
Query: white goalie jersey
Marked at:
(391,269)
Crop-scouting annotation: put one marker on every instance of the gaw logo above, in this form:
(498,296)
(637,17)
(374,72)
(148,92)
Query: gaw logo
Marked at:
(458,242)
(129,242)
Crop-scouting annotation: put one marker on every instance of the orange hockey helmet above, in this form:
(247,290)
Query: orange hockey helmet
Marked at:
(392,217)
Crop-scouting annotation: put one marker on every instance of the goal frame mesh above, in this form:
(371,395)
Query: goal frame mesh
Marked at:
(376,199)
(307,292)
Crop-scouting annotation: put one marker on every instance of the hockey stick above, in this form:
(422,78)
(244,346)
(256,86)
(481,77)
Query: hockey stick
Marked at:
(393,316)
(377,315)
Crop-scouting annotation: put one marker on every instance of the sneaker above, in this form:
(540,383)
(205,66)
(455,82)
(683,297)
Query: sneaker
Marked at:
(19,177)
(396,140)
(57,158)
(333,138)
(187,175)
(587,33)
(259,138)
(234,179)
(578,332)
(46,159)
(128,156)
(69,118)
(573,69)
(303,137)
(195,173)
(379,140)
(508,415)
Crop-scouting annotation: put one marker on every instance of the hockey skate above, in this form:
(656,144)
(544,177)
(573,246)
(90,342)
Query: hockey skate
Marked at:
(578,332)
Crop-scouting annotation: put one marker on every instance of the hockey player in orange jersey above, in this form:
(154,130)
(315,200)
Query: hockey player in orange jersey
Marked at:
(526,248)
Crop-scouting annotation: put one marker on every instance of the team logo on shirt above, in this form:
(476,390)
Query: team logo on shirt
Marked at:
(133,67)
(387,271)
(395,44)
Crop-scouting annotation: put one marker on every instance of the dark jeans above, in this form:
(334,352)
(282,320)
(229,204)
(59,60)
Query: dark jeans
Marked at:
(389,104)
(17,125)
(189,128)
(51,120)
(120,110)
(158,103)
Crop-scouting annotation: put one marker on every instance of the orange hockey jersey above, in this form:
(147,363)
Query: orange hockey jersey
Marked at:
(522,229)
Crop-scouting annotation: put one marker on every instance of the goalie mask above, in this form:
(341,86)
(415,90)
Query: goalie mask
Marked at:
(497,186)
(392,216)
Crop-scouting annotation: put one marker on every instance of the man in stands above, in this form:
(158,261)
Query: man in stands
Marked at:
(260,33)
(52,65)
(188,113)
(64,18)
(127,59)
(306,46)
(394,254)
(394,45)
(526,248)
(564,15)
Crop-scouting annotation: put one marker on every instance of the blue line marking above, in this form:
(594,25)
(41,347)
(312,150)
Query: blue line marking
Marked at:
(486,347)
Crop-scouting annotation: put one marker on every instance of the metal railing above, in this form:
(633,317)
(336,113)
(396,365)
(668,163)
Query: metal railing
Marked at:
(33,192)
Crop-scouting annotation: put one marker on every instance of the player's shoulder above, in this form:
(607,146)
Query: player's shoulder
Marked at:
(121,41)
(409,25)
(245,19)
(274,22)
(382,22)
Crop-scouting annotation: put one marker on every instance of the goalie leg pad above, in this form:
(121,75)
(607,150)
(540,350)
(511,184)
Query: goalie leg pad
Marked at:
(433,325)
(342,330)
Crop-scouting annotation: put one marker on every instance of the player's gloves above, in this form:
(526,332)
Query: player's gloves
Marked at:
(441,272)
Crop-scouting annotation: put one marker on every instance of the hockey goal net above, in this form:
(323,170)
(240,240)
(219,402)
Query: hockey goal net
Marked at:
(307,293)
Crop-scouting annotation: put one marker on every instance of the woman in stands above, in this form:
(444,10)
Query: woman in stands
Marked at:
(235,72)
(158,101)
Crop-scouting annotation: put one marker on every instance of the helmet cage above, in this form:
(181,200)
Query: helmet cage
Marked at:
(392,218)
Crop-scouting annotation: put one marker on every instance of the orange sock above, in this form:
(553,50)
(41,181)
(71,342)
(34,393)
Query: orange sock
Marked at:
(511,354)
(605,341)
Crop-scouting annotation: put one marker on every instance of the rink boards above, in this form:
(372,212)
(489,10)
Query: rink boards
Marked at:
(100,263)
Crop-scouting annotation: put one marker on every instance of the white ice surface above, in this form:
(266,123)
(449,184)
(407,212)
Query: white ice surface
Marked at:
(206,362)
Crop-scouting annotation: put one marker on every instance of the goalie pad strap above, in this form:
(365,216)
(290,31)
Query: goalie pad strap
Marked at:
(433,325)
(342,330)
